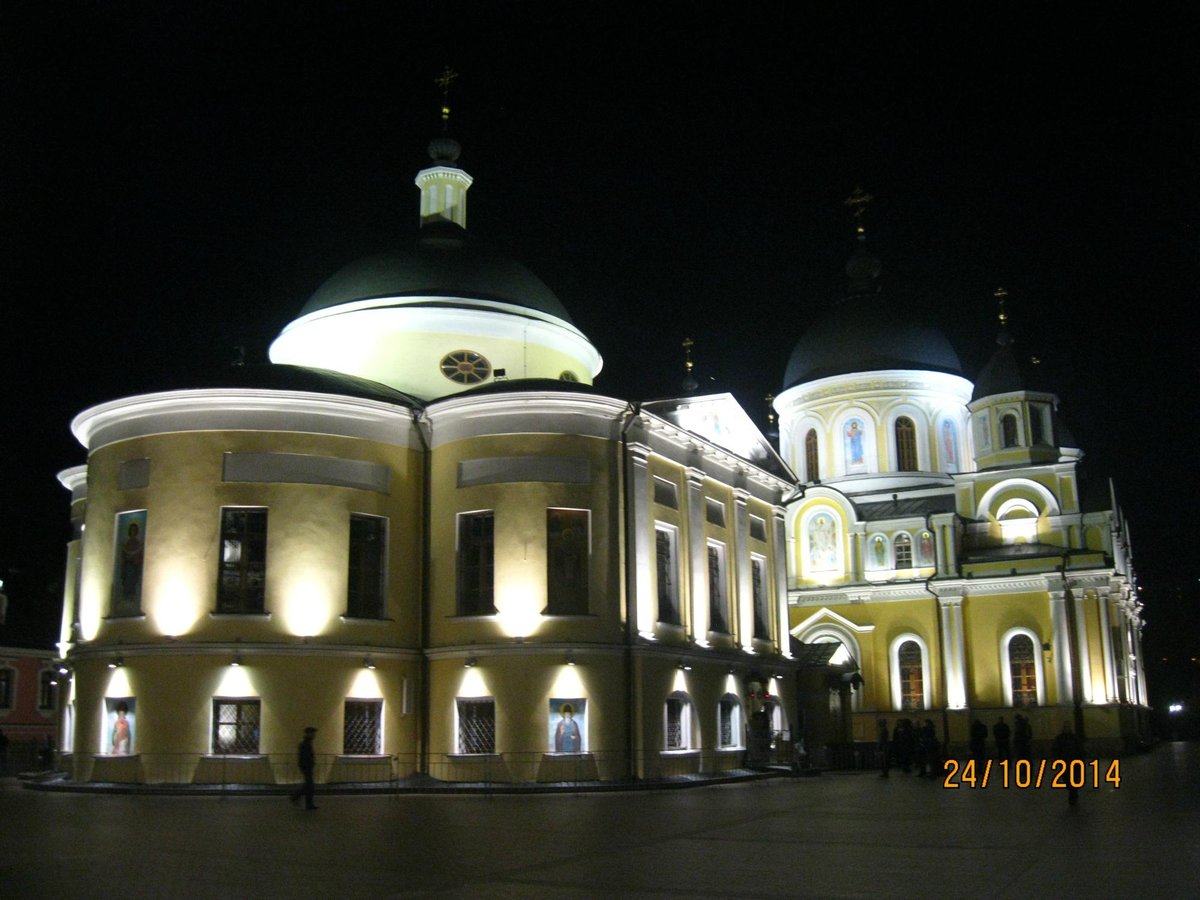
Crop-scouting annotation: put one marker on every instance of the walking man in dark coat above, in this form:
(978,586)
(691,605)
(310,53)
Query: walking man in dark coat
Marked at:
(1067,747)
(307,761)
(884,747)
(978,741)
(1003,734)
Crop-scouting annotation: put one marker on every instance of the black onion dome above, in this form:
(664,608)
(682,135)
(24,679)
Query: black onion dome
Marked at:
(865,333)
(443,261)
(1004,373)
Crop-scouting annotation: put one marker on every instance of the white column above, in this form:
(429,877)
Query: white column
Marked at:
(697,554)
(741,555)
(779,536)
(1081,639)
(640,540)
(1062,647)
(953,651)
(1104,607)
(857,569)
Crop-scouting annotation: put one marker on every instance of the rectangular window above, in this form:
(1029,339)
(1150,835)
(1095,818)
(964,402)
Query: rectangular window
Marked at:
(758,528)
(476,725)
(718,602)
(48,691)
(476,563)
(567,550)
(362,730)
(668,575)
(665,493)
(904,554)
(241,588)
(758,587)
(368,556)
(7,678)
(128,554)
(714,512)
(235,726)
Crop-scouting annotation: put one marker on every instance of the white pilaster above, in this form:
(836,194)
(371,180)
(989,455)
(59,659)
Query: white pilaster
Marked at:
(778,534)
(1062,648)
(641,540)
(745,592)
(697,551)
(953,651)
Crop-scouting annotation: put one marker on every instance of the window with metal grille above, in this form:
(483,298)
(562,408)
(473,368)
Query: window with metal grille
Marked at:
(903,549)
(567,546)
(811,456)
(717,602)
(476,725)
(476,563)
(728,714)
(666,567)
(241,588)
(1022,670)
(906,445)
(362,727)
(758,588)
(678,723)
(912,686)
(368,553)
(235,726)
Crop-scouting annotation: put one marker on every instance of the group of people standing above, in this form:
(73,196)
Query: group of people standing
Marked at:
(910,746)
(1012,742)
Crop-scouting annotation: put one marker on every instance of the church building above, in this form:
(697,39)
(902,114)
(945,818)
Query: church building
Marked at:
(423,531)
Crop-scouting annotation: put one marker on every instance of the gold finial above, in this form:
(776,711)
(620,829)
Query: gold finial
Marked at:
(770,398)
(444,80)
(858,203)
(1001,294)
(688,343)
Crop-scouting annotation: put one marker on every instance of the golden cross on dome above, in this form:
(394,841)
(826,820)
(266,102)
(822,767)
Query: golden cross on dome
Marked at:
(1000,294)
(858,203)
(446,78)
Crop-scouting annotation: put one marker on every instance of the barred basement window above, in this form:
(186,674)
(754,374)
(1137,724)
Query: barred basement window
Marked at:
(728,717)
(241,588)
(368,554)
(235,726)
(678,724)
(362,728)
(477,725)
(476,563)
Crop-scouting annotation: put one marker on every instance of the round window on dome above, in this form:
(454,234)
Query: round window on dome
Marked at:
(568,375)
(465,367)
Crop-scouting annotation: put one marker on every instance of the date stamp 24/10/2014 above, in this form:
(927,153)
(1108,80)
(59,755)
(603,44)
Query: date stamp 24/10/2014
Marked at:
(1056,774)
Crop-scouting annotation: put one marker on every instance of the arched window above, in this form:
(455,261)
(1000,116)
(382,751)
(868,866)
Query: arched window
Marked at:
(906,445)
(904,551)
(1022,671)
(910,662)
(1008,430)
(811,457)
(677,722)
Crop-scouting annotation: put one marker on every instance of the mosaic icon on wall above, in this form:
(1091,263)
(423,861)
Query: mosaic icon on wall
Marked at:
(568,724)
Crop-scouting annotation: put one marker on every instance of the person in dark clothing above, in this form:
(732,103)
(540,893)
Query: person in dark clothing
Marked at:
(1022,738)
(978,741)
(930,751)
(1003,734)
(904,740)
(307,761)
(884,747)
(1067,747)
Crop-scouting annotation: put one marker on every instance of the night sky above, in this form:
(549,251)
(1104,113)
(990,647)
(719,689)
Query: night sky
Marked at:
(178,178)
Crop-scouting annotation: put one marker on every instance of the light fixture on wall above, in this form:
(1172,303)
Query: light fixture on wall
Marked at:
(237,660)
(117,662)
(368,663)
(471,662)
(685,665)
(570,659)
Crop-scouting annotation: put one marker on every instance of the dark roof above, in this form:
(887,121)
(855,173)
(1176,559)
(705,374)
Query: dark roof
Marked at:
(1017,551)
(444,260)
(277,377)
(1006,373)
(526,385)
(912,506)
(865,334)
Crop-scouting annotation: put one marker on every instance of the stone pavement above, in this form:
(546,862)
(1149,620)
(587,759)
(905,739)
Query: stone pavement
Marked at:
(836,835)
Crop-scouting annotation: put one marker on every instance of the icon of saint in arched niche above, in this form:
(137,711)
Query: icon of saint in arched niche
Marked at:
(853,440)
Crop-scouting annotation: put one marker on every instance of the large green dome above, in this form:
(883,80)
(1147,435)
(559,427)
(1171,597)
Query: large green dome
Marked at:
(444,261)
